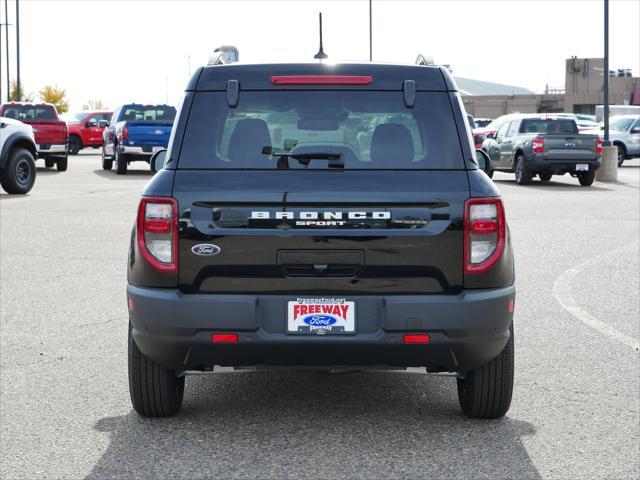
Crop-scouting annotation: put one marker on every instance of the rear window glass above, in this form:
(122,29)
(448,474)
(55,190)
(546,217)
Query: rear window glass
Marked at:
(545,125)
(321,129)
(25,112)
(139,113)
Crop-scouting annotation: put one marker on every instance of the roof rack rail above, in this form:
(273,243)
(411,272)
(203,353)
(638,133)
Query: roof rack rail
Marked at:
(223,55)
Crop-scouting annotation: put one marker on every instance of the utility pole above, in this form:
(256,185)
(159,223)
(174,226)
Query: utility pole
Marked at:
(18,88)
(6,36)
(370,32)
(606,142)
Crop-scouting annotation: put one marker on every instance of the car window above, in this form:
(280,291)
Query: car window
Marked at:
(513,129)
(549,125)
(502,130)
(30,112)
(150,113)
(321,129)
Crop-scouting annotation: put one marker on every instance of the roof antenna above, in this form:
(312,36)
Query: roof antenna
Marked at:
(320,55)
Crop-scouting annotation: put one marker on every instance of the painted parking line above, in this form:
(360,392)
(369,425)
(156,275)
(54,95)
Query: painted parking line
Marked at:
(562,292)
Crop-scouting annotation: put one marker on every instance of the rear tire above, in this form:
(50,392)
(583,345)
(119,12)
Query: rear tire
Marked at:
(523,175)
(155,391)
(75,144)
(545,177)
(61,164)
(622,153)
(486,392)
(586,179)
(121,163)
(19,173)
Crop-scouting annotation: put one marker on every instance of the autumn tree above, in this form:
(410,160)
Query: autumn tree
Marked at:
(56,96)
(13,93)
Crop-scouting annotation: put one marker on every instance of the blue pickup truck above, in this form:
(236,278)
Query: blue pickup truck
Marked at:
(135,133)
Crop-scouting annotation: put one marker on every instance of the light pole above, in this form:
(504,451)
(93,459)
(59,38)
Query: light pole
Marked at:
(6,37)
(18,89)
(606,142)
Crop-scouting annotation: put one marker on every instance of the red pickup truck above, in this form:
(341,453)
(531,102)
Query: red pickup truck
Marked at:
(85,129)
(50,131)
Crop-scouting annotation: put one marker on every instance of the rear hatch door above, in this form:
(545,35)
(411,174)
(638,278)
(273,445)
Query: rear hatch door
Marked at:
(312,192)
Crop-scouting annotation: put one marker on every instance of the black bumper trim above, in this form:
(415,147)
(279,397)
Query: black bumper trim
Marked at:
(466,330)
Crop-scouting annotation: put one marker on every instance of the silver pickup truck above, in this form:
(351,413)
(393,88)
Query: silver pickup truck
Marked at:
(543,145)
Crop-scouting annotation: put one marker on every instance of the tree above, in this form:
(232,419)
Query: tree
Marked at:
(55,95)
(13,93)
(93,105)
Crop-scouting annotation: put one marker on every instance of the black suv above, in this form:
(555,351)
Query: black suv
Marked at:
(325,217)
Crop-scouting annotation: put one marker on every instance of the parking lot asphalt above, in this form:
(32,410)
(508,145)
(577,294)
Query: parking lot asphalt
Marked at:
(64,401)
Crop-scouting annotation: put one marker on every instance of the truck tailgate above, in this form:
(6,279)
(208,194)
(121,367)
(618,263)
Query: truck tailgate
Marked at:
(49,132)
(149,133)
(570,147)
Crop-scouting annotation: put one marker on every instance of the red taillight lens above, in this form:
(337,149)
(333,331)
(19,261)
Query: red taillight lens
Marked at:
(125,133)
(322,79)
(157,232)
(538,144)
(224,338)
(484,233)
(599,146)
(416,338)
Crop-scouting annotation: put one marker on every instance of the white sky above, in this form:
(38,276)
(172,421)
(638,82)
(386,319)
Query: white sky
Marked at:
(121,51)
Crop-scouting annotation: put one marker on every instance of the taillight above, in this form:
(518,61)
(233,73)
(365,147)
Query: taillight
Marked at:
(158,232)
(599,146)
(484,233)
(125,133)
(538,144)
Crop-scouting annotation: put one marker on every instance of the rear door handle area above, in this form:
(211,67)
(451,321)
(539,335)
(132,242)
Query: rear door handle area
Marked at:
(321,263)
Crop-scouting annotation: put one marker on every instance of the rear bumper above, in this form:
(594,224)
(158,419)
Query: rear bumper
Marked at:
(138,150)
(466,330)
(51,149)
(538,163)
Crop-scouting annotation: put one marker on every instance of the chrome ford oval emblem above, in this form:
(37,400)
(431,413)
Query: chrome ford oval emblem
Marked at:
(205,249)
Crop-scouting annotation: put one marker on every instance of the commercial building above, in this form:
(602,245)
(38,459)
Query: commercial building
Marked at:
(583,90)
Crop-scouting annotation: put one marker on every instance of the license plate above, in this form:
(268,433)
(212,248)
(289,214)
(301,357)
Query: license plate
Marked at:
(321,316)
(157,149)
(582,167)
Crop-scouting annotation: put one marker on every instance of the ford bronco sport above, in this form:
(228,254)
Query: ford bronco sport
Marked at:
(325,217)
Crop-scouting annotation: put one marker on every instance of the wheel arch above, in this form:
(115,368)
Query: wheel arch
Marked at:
(17,140)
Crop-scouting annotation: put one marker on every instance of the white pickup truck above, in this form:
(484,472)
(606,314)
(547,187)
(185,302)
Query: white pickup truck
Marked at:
(17,156)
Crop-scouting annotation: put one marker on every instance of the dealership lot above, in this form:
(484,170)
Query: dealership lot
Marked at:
(65,411)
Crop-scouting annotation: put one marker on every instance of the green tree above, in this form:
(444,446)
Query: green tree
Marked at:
(93,105)
(55,95)
(13,93)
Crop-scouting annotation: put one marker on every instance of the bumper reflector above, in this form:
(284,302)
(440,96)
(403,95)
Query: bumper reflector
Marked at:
(131,304)
(224,338)
(416,338)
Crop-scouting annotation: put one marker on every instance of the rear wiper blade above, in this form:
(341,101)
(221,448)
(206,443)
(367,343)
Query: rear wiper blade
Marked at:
(334,158)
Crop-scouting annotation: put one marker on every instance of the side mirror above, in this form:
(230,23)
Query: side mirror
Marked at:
(157,160)
(103,123)
(92,123)
(483,161)
(491,135)
(635,130)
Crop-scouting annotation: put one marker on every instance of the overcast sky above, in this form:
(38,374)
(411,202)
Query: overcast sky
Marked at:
(122,51)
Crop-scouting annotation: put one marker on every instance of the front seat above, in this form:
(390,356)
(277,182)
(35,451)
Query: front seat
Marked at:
(391,146)
(248,139)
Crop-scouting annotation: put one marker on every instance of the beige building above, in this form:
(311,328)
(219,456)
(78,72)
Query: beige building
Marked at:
(584,85)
